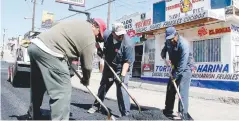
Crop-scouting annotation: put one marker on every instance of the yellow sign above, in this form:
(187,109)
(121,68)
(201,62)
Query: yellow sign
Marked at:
(47,19)
(186,6)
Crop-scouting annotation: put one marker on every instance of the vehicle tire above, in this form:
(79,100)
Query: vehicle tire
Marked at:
(13,74)
(9,74)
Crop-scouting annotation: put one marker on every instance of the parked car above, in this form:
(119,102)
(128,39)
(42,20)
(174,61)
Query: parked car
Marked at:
(19,71)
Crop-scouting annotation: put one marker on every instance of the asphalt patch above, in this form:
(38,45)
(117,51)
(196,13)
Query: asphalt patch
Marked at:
(155,114)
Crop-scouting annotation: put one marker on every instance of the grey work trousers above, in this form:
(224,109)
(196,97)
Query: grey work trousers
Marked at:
(122,96)
(184,84)
(51,74)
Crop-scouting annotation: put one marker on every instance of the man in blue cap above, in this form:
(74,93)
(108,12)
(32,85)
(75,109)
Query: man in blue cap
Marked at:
(180,57)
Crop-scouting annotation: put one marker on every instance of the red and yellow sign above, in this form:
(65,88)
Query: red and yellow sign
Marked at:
(47,19)
(219,30)
(202,31)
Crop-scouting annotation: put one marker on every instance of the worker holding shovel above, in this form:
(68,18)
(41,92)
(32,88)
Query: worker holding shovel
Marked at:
(49,54)
(119,54)
(180,58)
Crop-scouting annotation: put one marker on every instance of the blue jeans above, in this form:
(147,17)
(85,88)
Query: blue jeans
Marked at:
(122,95)
(184,84)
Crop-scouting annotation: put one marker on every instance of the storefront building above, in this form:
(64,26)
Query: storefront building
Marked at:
(212,30)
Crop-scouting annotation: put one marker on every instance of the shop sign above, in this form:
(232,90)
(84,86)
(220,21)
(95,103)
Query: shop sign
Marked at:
(202,31)
(216,76)
(219,30)
(147,67)
(186,19)
(201,68)
(179,8)
(143,23)
(127,24)
(204,71)
(220,68)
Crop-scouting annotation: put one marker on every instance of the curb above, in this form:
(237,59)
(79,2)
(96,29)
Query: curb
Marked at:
(196,95)
(201,93)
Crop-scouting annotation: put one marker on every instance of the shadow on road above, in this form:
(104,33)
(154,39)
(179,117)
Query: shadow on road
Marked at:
(44,112)
(84,106)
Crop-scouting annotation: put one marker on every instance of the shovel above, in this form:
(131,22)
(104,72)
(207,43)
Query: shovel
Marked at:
(179,96)
(109,116)
(123,85)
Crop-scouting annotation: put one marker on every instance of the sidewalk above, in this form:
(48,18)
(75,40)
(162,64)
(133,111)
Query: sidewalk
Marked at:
(205,104)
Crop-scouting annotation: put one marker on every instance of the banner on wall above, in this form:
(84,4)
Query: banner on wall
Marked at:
(185,19)
(47,19)
(179,8)
(202,72)
(134,21)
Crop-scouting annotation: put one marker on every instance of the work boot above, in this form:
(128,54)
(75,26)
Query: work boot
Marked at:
(170,114)
(93,109)
(186,116)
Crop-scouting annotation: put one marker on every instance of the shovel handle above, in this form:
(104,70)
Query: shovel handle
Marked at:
(96,97)
(123,85)
(177,90)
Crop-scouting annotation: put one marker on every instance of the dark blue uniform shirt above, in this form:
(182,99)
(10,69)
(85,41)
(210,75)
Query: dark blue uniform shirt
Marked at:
(179,56)
(119,53)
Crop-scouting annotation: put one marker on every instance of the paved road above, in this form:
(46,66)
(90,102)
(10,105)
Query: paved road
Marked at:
(15,102)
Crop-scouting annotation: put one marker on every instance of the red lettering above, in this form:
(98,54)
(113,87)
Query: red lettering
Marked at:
(143,23)
(194,1)
(219,30)
(211,32)
(173,6)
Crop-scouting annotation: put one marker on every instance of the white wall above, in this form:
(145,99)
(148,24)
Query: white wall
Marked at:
(192,35)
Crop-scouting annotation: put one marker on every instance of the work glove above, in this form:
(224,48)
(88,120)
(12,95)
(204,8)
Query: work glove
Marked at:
(85,82)
(121,78)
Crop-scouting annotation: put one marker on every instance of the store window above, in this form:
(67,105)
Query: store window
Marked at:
(208,50)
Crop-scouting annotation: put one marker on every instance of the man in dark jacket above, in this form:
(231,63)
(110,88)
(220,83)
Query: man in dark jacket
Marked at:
(180,57)
(49,53)
(120,54)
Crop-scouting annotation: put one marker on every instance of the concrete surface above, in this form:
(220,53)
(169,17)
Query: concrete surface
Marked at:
(202,105)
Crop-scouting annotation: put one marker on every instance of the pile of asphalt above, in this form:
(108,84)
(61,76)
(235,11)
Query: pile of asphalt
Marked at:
(154,114)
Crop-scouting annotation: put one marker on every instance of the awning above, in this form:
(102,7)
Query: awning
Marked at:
(191,20)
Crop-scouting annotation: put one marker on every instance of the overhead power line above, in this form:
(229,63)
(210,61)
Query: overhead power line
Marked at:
(87,10)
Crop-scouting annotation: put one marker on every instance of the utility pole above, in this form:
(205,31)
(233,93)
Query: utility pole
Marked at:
(3,38)
(108,16)
(33,14)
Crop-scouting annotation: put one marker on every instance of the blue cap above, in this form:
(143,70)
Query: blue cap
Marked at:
(170,32)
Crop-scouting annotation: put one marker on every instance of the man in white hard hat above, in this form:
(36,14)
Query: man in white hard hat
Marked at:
(119,52)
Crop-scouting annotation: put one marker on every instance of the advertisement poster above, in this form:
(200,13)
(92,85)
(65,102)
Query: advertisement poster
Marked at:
(47,19)
(149,56)
(179,8)
(134,21)
(202,72)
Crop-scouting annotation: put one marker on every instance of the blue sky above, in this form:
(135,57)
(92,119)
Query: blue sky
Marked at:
(14,11)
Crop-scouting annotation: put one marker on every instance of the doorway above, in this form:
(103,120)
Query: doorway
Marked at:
(136,72)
